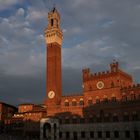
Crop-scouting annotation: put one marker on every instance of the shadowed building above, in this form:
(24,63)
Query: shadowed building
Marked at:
(6,112)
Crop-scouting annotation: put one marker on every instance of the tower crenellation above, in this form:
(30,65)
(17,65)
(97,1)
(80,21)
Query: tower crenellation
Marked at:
(114,66)
(86,74)
(53,32)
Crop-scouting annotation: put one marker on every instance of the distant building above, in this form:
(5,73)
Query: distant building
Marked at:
(22,108)
(26,121)
(108,108)
(6,112)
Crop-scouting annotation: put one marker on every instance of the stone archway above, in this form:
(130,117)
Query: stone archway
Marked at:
(47,131)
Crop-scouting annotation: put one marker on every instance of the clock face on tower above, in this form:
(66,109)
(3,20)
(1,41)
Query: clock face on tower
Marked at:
(51,94)
(100,85)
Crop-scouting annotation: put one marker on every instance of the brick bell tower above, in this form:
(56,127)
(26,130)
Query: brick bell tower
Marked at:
(53,38)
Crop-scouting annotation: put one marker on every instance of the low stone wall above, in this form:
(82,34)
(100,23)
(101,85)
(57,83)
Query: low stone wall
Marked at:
(100,131)
(10,137)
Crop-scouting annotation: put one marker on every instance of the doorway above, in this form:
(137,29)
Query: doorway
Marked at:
(47,131)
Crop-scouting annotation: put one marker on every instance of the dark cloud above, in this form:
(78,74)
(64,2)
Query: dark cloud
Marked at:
(72,81)
(95,33)
(19,89)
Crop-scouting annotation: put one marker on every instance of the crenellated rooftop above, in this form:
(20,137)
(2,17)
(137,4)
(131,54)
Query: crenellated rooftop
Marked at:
(114,69)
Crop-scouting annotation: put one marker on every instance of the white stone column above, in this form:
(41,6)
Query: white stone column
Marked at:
(96,135)
(112,135)
(71,135)
(122,135)
(132,135)
(103,135)
(78,135)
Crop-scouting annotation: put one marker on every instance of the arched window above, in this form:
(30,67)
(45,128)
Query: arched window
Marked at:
(90,101)
(67,120)
(135,116)
(81,102)
(66,102)
(60,121)
(97,100)
(82,120)
(125,117)
(113,98)
(91,119)
(106,118)
(124,98)
(74,120)
(74,103)
(133,96)
(115,118)
(105,99)
(52,21)
(99,119)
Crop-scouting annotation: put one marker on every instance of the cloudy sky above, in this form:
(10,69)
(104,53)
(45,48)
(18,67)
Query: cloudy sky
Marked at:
(95,33)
